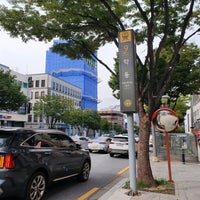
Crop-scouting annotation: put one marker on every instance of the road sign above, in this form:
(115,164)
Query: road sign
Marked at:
(127,71)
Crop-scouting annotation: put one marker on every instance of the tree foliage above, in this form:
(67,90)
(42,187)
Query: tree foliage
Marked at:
(159,25)
(85,119)
(105,125)
(180,106)
(11,97)
(53,109)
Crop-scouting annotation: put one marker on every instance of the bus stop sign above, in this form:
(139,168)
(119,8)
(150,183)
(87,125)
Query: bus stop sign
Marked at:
(127,71)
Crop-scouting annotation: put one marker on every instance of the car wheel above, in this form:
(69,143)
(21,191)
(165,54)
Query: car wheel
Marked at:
(85,172)
(111,154)
(36,187)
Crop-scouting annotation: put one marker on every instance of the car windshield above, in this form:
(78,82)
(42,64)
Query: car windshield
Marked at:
(120,139)
(99,139)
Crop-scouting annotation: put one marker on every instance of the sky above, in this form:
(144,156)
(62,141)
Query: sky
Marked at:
(29,58)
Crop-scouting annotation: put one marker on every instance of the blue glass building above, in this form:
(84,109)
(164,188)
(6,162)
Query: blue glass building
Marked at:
(82,73)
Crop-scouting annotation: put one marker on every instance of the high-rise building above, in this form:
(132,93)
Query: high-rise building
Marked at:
(79,72)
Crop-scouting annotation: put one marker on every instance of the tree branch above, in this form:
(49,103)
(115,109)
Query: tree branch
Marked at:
(162,42)
(142,12)
(94,56)
(113,14)
(198,30)
(185,24)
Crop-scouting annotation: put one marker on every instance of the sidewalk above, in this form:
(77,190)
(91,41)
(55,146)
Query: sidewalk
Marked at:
(186,178)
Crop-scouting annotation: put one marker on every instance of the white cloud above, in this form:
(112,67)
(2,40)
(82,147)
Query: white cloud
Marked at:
(22,57)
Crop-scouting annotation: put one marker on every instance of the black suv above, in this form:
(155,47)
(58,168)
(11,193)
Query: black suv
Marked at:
(31,159)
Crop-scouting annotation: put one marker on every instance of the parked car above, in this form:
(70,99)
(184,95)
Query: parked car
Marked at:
(82,140)
(119,146)
(31,159)
(100,144)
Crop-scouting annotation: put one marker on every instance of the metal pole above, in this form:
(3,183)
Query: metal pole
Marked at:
(168,155)
(131,150)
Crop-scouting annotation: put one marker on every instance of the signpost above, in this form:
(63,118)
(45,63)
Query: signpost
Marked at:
(127,71)
(128,87)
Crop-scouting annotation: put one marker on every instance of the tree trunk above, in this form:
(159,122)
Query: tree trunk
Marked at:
(144,172)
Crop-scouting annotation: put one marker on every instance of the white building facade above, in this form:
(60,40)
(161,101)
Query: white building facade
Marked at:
(192,118)
(41,84)
(46,84)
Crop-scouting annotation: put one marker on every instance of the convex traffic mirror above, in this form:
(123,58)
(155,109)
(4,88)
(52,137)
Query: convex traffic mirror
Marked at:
(165,119)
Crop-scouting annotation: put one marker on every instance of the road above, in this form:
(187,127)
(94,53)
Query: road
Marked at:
(104,170)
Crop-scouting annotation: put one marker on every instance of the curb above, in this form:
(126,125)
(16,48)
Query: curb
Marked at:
(113,189)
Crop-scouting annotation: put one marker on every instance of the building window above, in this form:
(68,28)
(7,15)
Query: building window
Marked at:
(36,95)
(31,95)
(25,85)
(54,85)
(29,118)
(42,93)
(35,119)
(37,83)
(43,83)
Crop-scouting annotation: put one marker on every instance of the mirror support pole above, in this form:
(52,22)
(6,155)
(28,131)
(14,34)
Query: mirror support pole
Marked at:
(168,156)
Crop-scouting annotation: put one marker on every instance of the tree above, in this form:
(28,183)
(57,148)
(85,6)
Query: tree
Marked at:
(105,125)
(159,25)
(11,97)
(180,107)
(85,119)
(53,109)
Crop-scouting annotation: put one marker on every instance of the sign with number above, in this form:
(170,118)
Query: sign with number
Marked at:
(127,71)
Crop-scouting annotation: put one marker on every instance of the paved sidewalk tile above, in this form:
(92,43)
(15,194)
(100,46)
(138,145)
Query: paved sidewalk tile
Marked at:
(185,176)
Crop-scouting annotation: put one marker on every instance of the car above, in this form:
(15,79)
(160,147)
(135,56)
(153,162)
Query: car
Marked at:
(82,140)
(119,146)
(32,159)
(100,144)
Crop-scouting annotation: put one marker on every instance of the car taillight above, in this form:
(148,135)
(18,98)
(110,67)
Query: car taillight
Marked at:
(2,158)
(112,143)
(7,161)
(101,142)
